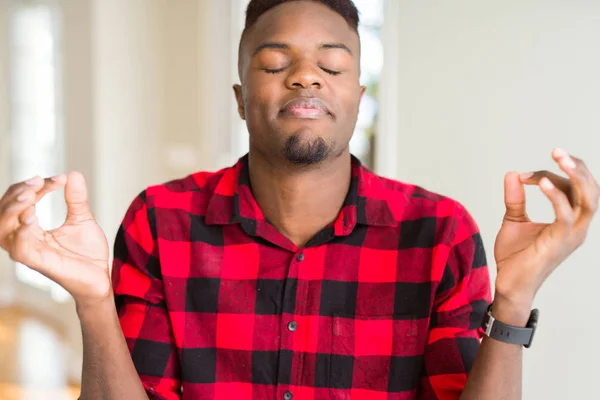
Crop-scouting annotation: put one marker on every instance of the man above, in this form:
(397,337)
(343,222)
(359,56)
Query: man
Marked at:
(297,273)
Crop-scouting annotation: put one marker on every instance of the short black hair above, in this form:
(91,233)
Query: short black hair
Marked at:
(345,8)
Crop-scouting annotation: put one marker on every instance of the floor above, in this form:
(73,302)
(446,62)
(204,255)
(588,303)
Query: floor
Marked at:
(32,359)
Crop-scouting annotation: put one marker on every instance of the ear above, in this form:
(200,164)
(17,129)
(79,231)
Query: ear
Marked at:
(239,97)
(363,89)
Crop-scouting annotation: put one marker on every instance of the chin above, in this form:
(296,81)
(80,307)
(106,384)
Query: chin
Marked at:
(305,131)
(307,148)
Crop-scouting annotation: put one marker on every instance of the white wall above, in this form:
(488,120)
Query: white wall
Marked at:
(486,87)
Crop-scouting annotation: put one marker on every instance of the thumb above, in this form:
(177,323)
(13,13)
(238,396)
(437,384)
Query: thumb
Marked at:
(76,197)
(514,198)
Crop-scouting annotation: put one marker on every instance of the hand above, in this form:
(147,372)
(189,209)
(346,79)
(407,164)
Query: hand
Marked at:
(75,255)
(527,252)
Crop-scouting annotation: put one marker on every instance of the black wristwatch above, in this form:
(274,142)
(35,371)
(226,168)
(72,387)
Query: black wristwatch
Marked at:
(510,334)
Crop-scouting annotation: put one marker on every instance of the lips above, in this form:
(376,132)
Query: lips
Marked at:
(305,108)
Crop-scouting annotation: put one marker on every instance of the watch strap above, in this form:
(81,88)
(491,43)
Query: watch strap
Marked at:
(510,334)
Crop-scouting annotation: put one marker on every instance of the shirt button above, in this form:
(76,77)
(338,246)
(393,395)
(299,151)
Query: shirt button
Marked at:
(300,257)
(292,326)
(288,395)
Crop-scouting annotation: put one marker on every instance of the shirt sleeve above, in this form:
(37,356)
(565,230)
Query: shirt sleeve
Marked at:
(140,303)
(461,298)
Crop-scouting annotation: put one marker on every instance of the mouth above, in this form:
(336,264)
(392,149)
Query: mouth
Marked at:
(305,108)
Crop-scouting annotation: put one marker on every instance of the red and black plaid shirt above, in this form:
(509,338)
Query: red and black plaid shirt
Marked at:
(215,303)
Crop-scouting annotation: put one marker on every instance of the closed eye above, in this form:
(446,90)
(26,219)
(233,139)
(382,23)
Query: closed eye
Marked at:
(274,71)
(331,72)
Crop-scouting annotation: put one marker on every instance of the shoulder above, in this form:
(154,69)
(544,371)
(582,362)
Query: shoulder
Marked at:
(411,204)
(196,188)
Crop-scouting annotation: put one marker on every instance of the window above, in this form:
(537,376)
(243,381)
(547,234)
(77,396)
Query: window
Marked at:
(35,112)
(371,20)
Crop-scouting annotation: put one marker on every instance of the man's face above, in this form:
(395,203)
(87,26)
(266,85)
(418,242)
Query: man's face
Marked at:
(300,93)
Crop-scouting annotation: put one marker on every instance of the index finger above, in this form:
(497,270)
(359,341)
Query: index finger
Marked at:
(18,188)
(561,183)
(26,193)
(50,185)
(585,187)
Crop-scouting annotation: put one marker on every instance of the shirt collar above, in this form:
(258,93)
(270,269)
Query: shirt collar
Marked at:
(366,203)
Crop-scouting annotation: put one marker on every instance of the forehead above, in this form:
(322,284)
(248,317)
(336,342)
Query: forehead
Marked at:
(301,23)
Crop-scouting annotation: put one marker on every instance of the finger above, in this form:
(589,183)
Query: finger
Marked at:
(565,215)
(76,197)
(585,187)
(568,165)
(36,180)
(35,187)
(9,216)
(26,217)
(514,198)
(50,185)
(562,183)
(589,189)
(20,197)
(25,245)
(14,191)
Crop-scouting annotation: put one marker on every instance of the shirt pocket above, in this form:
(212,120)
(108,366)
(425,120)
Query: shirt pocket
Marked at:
(372,354)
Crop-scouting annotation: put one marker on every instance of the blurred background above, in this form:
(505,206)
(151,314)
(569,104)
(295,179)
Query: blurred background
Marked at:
(137,92)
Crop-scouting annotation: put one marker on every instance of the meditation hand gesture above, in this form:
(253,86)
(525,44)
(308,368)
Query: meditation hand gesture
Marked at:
(74,255)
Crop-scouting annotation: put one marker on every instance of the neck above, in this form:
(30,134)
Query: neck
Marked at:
(300,201)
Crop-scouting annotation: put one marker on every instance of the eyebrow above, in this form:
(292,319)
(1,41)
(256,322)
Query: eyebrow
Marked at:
(328,46)
(285,46)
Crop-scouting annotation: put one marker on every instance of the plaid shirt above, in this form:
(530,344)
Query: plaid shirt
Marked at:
(215,303)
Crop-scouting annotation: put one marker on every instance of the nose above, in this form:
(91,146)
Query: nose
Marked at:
(304,76)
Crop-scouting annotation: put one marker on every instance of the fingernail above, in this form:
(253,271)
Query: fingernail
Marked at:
(30,220)
(32,181)
(560,153)
(526,175)
(56,178)
(546,184)
(23,196)
(568,162)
